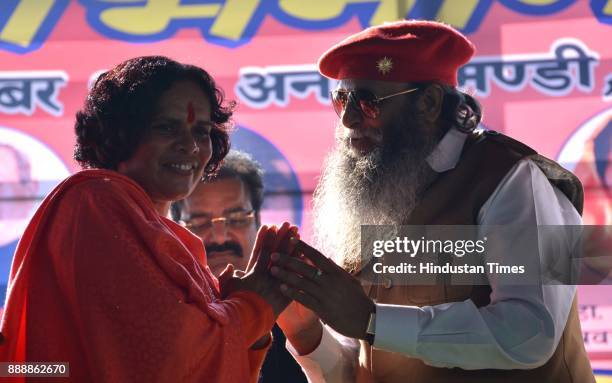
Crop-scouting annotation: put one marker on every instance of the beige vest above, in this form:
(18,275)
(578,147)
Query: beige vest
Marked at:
(455,198)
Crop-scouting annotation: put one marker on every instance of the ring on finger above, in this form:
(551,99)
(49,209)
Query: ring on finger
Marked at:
(317,274)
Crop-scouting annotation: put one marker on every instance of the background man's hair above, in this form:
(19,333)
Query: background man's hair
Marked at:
(242,166)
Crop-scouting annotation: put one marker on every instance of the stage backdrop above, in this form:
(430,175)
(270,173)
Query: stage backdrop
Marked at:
(543,71)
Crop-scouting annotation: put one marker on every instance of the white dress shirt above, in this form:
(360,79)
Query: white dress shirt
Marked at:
(519,329)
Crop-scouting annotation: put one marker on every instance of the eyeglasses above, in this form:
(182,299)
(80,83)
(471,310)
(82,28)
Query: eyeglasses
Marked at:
(364,100)
(234,220)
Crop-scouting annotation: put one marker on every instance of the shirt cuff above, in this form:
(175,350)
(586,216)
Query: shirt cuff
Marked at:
(322,359)
(397,328)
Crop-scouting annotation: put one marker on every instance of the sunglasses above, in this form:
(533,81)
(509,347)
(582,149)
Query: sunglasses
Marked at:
(364,100)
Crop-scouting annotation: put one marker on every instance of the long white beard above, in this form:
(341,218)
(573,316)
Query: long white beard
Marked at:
(376,189)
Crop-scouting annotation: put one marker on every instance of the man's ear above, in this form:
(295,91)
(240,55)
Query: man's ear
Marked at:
(429,104)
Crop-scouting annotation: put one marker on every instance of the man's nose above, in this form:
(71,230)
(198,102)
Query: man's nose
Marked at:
(218,232)
(351,115)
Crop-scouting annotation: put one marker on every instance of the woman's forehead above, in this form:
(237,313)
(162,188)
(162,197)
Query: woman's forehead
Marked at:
(183,92)
(186,100)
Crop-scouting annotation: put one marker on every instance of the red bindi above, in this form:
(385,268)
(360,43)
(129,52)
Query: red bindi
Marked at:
(190,113)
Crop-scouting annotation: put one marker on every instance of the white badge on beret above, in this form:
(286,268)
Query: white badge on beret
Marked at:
(384,65)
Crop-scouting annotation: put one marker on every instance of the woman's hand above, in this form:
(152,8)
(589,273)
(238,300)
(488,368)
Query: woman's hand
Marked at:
(302,327)
(257,277)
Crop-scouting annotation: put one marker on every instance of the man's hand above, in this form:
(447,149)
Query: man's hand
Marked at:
(325,288)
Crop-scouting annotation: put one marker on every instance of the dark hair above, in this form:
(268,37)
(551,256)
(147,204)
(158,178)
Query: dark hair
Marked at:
(119,107)
(242,166)
(459,109)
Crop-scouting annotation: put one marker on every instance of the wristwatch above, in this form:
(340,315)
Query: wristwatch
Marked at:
(371,329)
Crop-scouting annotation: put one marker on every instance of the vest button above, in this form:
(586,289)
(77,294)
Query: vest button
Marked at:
(388,283)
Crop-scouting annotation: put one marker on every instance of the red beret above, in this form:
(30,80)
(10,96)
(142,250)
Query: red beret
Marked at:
(402,51)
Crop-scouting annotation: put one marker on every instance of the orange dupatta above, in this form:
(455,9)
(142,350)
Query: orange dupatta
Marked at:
(101,281)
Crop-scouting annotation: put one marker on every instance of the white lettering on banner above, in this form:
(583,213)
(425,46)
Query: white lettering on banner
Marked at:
(23,92)
(259,87)
(570,64)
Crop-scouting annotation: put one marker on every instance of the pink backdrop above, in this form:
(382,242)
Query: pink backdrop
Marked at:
(543,72)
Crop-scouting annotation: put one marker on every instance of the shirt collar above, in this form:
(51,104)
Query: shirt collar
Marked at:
(446,154)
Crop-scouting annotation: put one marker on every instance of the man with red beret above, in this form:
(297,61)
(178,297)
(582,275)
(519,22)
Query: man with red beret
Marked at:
(407,153)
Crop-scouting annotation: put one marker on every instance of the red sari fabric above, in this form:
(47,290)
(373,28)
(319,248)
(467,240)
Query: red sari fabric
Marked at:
(101,281)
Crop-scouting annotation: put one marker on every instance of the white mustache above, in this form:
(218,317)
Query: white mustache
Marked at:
(353,134)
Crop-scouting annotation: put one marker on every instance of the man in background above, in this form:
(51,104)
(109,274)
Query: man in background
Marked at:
(225,213)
